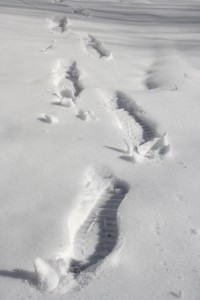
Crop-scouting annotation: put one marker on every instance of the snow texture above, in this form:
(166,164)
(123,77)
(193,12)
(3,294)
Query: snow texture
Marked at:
(99,131)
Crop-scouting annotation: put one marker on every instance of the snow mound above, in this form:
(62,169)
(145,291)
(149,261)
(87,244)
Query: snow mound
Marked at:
(168,72)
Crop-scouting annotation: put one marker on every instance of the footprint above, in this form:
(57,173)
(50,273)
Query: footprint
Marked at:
(67,82)
(140,134)
(48,118)
(93,232)
(95,48)
(97,234)
(59,25)
(73,75)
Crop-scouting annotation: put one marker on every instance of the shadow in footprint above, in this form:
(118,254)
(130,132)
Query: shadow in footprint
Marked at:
(114,149)
(44,120)
(127,158)
(50,119)
(21,275)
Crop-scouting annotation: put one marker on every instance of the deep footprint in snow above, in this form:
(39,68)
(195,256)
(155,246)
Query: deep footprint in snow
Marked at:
(95,48)
(93,232)
(73,74)
(59,25)
(67,83)
(139,132)
(96,235)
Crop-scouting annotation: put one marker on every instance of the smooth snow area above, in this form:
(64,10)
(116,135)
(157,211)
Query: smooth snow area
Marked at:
(99,128)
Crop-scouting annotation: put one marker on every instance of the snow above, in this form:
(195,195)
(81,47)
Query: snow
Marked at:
(99,130)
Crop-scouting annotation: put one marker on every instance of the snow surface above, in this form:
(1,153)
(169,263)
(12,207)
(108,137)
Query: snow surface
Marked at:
(99,128)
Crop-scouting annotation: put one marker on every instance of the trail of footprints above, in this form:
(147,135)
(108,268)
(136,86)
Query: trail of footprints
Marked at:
(68,84)
(67,80)
(93,226)
(60,26)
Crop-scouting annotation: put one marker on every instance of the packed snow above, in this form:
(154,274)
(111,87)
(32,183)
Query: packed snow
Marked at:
(99,127)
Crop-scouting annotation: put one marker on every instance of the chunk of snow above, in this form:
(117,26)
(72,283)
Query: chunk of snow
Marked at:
(47,277)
